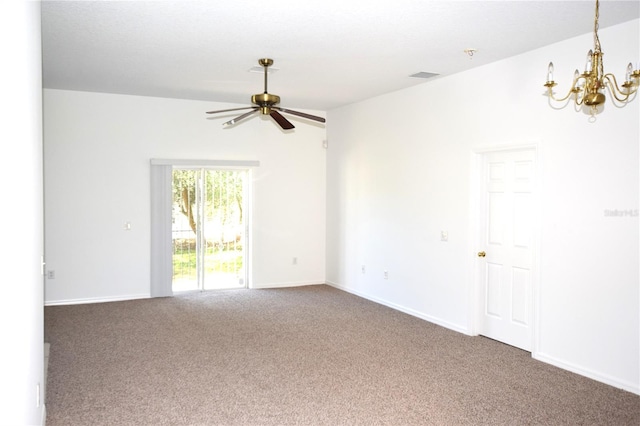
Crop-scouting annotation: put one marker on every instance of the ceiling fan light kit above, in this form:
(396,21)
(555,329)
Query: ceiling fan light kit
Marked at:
(588,88)
(267,104)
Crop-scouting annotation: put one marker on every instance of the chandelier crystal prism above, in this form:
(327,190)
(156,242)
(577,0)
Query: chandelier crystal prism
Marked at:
(588,88)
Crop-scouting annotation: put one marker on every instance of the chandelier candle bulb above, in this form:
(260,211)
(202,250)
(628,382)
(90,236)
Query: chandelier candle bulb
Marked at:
(589,66)
(550,72)
(578,84)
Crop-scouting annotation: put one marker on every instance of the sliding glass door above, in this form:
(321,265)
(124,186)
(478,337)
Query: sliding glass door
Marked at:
(209,228)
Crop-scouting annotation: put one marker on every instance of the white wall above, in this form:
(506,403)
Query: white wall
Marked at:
(21,311)
(97,174)
(400,170)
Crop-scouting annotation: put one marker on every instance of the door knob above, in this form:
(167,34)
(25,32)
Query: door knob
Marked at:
(481,254)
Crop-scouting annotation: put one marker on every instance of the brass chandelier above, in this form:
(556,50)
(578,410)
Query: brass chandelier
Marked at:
(588,88)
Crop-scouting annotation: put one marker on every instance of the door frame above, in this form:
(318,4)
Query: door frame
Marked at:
(476,214)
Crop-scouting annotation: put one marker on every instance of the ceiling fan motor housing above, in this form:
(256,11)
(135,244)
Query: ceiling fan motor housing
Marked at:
(265,101)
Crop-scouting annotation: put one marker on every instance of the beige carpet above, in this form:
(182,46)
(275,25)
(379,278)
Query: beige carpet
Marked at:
(302,356)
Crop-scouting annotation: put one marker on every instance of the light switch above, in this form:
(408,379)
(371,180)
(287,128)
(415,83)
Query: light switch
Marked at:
(444,236)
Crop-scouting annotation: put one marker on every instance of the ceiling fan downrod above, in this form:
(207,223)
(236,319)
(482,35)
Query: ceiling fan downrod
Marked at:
(265,63)
(265,100)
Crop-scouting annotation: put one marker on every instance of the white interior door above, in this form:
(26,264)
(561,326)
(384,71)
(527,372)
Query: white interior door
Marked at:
(506,249)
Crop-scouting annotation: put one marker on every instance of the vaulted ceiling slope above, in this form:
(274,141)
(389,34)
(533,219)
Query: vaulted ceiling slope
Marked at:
(327,53)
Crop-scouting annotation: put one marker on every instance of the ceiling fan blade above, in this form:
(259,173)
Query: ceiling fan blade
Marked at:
(283,122)
(301,114)
(227,110)
(240,117)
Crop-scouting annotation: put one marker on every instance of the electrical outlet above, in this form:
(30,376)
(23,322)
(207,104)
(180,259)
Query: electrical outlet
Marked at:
(444,236)
(363,269)
(294,261)
(386,275)
(51,275)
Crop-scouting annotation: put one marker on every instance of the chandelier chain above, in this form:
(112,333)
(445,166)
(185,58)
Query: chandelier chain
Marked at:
(596,39)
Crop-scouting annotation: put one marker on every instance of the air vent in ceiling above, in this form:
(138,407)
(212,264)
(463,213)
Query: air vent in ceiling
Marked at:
(423,74)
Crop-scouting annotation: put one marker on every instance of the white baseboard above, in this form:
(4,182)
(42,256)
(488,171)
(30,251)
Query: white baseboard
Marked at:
(287,284)
(43,416)
(404,309)
(606,379)
(96,300)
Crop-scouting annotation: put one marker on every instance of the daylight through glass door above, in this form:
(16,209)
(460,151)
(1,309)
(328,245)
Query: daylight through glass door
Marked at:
(209,229)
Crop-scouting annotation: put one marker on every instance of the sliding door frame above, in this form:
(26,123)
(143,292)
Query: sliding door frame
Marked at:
(161,203)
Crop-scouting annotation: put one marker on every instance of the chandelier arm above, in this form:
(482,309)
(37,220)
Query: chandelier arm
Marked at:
(615,90)
(552,96)
(572,90)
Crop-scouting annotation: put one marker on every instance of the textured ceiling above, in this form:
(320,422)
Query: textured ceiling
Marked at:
(328,53)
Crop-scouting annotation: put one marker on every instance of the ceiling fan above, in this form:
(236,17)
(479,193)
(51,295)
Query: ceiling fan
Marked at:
(266,103)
